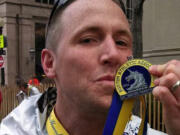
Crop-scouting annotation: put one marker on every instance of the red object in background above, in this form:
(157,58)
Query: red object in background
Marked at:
(0,97)
(1,61)
(34,82)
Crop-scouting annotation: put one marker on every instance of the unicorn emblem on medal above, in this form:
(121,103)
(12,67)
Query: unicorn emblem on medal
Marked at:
(138,80)
(135,80)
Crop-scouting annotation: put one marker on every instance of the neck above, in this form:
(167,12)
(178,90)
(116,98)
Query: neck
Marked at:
(77,122)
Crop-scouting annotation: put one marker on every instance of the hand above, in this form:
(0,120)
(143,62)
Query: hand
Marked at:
(167,75)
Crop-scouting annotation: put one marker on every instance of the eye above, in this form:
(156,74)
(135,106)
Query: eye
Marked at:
(88,40)
(121,43)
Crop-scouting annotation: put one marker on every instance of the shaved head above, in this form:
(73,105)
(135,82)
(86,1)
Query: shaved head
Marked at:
(54,29)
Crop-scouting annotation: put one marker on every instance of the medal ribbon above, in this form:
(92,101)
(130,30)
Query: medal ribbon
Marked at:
(53,126)
(119,114)
(143,126)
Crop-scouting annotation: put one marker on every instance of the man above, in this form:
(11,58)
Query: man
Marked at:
(25,90)
(87,41)
(34,81)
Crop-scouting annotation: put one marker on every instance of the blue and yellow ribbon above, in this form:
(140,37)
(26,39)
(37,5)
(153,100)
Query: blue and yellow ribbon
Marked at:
(119,115)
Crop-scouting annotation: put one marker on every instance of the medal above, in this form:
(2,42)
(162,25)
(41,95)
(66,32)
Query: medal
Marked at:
(133,79)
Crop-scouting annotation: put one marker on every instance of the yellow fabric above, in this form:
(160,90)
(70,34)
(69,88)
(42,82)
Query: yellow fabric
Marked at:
(53,126)
(124,116)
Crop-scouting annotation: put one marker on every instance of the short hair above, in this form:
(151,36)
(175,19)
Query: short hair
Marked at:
(21,83)
(53,28)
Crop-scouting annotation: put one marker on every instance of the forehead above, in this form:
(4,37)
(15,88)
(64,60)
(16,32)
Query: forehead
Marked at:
(80,5)
(93,12)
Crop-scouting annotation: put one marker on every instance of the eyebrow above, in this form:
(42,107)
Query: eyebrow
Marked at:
(125,32)
(97,29)
(89,29)
(93,29)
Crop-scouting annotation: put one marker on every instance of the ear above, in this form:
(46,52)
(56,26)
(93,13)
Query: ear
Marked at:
(48,62)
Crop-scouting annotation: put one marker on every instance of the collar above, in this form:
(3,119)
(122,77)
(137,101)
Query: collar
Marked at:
(53,125)
(45,105)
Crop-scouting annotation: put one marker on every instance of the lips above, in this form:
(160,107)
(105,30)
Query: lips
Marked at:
(106,82)
(106,78)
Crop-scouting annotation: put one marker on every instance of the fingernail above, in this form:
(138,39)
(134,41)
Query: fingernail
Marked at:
(156,82)
(150,68)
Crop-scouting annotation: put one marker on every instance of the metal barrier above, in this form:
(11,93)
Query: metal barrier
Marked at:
(154,110)
(9,100)
(9,97)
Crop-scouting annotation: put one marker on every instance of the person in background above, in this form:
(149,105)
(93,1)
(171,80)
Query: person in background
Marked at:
(33,90)
(25,90)
(34,81)
(86,42)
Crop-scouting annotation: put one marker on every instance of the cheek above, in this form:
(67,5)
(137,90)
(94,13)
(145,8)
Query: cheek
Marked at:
(75,67)
(81,64)
(75,75)
(125,54)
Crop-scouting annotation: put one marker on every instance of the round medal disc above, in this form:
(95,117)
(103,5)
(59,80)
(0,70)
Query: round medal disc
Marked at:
(133,79)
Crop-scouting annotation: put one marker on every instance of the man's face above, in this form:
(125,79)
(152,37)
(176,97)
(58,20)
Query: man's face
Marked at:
(95,41)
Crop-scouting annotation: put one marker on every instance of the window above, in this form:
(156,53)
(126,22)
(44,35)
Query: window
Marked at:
(45,1)
(50,2)
(38,0)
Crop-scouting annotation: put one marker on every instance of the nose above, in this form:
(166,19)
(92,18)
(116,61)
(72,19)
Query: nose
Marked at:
(110,54)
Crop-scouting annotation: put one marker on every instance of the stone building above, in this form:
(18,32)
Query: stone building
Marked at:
(161,30)
(24,24)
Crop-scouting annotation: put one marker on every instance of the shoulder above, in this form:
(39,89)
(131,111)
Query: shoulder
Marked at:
(132,127)
(155,132)
(30,116)
(23,118)
(33,90)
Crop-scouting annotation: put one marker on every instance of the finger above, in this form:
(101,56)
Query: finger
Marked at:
(168,81)
(164,95)
(157,70)
(173,67)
